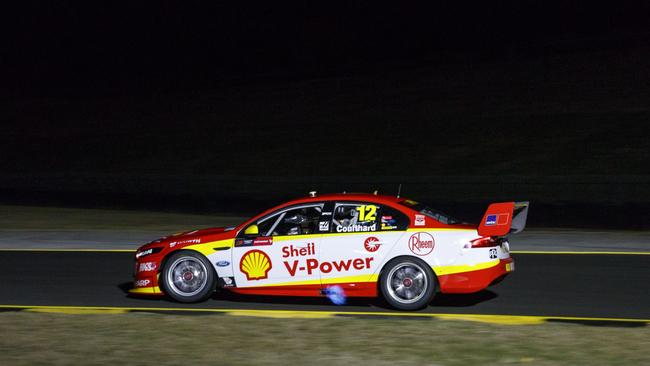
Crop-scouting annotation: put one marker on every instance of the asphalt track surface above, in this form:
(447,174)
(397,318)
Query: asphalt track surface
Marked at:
(571,285)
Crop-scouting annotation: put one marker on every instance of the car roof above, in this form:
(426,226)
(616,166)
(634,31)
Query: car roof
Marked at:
(378,198)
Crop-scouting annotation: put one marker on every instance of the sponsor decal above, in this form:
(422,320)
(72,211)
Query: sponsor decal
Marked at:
(419,220)
(290,251)
(243,242)
(388,223)
(324,226)
(371,244)
(355,228)
(255,264)
(222,264)
(186,241)
(301,261)
(421,243)
(228,282)
(142,283)
(326,214)
(247,242)
(147,267)
(493,253)
(263,241)
(497,219)
(491,220)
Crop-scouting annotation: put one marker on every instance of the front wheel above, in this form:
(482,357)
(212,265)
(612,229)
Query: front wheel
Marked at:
(188,277)
(408,283)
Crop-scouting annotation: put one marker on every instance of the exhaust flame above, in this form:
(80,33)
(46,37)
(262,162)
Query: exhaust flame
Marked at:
(335,294)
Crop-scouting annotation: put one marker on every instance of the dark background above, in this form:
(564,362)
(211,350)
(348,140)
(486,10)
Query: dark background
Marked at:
(211,107)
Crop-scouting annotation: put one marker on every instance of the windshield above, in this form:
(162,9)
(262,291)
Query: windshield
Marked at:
(434,214)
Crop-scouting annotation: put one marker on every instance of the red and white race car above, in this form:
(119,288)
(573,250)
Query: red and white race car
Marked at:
(349,244)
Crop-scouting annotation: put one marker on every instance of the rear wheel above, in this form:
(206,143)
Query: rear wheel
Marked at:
(408,283)
(188,277)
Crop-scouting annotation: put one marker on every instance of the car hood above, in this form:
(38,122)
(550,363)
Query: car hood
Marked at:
(202,232)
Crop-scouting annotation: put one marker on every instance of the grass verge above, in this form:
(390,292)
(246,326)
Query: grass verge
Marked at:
(146,339)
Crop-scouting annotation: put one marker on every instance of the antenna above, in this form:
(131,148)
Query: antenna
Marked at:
(399,189)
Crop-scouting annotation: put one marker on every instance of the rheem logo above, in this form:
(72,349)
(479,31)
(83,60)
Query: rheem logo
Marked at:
(421,243)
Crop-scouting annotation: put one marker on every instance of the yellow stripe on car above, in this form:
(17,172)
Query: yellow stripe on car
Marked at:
(327,281)
(447,270)
(208,248)
(145,290)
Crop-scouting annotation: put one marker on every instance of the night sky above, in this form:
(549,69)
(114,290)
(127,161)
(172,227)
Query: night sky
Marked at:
(56,46)
(194,104)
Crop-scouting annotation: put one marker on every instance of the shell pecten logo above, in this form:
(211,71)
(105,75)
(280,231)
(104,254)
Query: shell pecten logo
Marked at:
(255,264)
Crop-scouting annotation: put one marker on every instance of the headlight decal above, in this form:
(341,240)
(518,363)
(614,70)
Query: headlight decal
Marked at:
(146,252)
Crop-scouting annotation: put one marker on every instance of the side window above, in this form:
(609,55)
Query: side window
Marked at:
(393,219)
(266,224)
(354,217)
(297,221)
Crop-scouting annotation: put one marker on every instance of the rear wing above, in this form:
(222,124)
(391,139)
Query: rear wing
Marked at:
(504,218)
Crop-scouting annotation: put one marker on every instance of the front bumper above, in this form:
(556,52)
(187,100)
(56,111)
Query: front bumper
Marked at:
(152,290)
(145,276)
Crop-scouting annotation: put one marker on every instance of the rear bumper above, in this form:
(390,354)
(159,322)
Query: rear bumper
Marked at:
(474,281)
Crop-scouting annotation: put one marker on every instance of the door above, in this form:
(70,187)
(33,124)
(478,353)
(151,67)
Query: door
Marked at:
(283,257)
(361,235)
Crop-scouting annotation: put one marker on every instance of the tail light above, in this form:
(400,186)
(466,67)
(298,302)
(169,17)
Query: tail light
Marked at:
(485,242)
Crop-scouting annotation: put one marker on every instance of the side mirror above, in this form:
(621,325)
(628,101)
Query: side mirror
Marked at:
(252,230)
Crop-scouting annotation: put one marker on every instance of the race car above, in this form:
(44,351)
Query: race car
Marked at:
(357,245)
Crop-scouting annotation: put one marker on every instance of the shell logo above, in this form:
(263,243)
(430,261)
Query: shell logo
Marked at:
(255,264)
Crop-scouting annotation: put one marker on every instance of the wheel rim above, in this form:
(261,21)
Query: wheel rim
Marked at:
(187,276)
(407,283)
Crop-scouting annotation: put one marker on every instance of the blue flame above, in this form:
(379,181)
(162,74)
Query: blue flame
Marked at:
(335,294)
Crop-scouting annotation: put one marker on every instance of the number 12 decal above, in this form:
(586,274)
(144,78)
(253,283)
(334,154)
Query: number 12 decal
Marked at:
(367,212)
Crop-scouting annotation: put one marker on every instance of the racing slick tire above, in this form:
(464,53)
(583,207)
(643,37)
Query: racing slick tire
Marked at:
(188,276)
(407,283)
